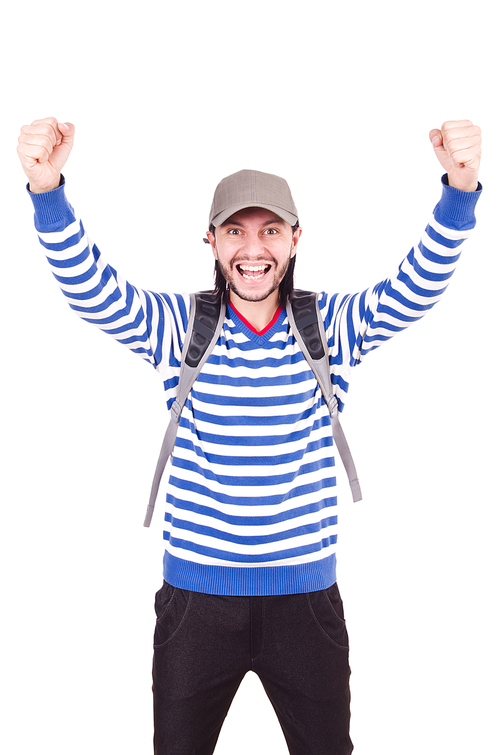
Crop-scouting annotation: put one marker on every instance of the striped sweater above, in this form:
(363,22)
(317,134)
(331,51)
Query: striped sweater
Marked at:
(251,496)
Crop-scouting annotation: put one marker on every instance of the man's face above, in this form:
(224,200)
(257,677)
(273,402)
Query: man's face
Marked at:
(254,247)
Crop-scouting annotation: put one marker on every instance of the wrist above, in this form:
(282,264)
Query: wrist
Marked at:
(35,188)
(471,186)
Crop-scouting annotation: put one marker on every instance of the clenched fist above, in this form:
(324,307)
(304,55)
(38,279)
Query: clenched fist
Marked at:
(43,150)
(458,148)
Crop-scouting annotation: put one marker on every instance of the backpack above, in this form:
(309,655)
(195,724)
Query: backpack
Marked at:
(204,326)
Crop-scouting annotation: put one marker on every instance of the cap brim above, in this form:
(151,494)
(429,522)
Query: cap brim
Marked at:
(288,217)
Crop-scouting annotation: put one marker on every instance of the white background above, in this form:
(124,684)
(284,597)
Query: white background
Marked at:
(167,99)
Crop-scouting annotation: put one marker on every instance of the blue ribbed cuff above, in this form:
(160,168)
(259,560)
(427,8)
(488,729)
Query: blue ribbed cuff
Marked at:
(52,209)
(456,208)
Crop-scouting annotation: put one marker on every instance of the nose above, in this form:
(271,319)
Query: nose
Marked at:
(253,246)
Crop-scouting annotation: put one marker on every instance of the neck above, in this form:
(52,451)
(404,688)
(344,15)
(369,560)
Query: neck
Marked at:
(258,313)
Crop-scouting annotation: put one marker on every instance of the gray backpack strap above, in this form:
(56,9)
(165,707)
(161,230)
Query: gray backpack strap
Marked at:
(204,326)
(307,327)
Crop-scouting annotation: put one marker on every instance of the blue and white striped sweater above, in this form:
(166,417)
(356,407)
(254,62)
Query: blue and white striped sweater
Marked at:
(251,498)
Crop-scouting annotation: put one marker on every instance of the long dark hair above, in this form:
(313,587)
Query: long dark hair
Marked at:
(285,287)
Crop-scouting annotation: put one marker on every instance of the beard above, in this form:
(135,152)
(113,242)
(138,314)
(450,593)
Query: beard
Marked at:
(273,279)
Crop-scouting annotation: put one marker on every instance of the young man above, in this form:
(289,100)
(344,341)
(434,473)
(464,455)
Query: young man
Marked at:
(250,524)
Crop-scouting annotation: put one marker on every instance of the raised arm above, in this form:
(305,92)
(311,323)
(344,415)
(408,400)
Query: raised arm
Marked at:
(359,323)
(151,325)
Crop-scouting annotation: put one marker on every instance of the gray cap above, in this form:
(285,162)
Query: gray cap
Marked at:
(251,188)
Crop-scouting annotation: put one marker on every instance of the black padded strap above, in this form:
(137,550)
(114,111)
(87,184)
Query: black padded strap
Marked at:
(207,311)
(303,305)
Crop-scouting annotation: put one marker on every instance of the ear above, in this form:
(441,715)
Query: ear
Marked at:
(295,240)
(211,241)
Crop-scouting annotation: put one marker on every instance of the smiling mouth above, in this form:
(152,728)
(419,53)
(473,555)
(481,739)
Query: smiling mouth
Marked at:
(253,272)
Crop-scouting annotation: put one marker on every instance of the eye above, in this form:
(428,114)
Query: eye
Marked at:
(271,231)
(233,231)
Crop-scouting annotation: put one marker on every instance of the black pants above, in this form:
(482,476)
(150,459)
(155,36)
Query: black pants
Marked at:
(205,644)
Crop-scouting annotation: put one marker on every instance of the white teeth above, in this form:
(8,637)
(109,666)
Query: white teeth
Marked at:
(253,268)
(262,269)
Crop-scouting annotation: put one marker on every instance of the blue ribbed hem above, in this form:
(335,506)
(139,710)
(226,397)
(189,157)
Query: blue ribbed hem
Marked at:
(456,208)
(52,209)
(261,580)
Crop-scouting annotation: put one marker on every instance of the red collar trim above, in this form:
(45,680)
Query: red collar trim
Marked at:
(251,327)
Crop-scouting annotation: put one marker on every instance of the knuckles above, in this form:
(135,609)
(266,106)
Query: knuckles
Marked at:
(461,135)
(52,122)
(460,129)
(42,128)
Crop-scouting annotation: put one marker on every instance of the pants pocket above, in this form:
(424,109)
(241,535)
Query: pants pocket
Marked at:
(171,605)
(328,613)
